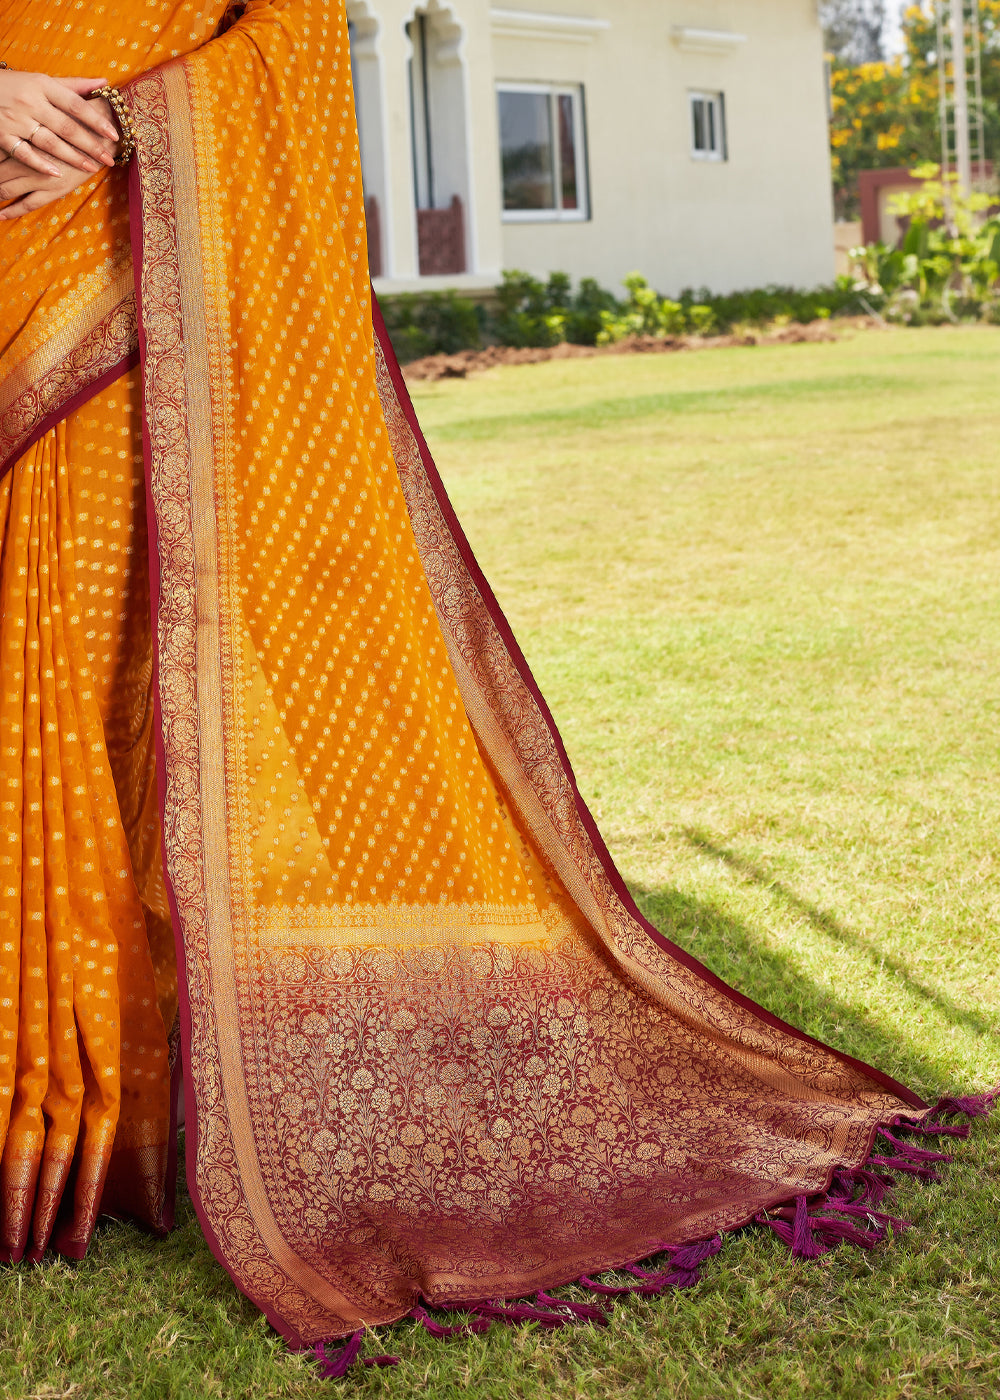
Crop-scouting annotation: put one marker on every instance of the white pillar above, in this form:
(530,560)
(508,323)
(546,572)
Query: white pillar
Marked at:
(400,233)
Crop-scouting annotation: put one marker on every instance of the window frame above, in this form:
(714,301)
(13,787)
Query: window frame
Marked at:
(717,100)
(557,214)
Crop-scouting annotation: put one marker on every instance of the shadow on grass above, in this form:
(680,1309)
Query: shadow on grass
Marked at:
(949,1010)
(625,407)
(735,952)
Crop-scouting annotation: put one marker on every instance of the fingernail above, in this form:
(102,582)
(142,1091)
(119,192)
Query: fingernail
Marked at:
(90,165)
(53,170)
(108,160)
(110,131)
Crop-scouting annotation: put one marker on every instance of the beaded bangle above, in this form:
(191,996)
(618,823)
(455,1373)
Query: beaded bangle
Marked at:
(119,106)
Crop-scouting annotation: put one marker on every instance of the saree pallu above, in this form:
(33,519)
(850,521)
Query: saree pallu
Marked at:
(431,1049)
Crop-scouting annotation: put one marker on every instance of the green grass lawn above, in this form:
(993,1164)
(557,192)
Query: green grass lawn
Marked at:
(759,589)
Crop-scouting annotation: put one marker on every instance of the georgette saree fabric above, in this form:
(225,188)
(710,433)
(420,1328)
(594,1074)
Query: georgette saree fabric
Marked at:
(430,1048)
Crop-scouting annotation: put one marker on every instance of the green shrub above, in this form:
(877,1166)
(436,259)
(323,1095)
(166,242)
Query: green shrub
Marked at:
(643,312)
(701,312)
(532,312)
(762,306)
(701,318)
(583,315)
(943,272)
(438,323)
(948,267)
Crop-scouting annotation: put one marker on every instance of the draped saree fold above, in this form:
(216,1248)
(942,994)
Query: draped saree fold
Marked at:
(430,1047)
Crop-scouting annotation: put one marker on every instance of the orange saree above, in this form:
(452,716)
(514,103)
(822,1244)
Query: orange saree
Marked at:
(431,1050)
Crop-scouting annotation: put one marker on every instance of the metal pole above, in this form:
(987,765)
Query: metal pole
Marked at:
(942,64)
(428,142)
(963,163)
(978,122)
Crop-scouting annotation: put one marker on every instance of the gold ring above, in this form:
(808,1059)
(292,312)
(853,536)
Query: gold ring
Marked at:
(18,142)
(38,127)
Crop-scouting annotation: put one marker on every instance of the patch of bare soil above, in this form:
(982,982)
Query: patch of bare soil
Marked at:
(466,362)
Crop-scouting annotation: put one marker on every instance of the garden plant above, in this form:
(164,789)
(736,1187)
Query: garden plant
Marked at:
(947,266)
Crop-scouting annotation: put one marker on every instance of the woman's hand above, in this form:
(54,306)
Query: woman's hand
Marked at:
(48,125)
(31,189)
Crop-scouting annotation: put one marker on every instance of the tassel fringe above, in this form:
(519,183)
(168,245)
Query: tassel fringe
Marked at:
(331,1368)
(810,1228)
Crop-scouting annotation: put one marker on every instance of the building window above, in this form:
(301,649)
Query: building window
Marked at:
(708,126)
(543,156)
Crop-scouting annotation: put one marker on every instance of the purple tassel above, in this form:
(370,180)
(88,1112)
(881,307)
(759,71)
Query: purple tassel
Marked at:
(689,1256)
(900,1164)
(682,1273)
(793,1226)
(585,1310)
(911,1152)
(643,1273)
(931,1129)
(332,1368)
(804,1242)
(477,1324)
(607,1289)
(780,1227)
(874,1186)
(810,1236)
(834,1232)
(520,1312)
(863,1212)
(657,1282)
(971,1105)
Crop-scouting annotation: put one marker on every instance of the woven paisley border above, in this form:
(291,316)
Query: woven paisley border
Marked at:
(161,105)
(102,353)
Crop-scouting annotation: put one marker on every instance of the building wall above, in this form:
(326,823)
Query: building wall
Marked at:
(763,215)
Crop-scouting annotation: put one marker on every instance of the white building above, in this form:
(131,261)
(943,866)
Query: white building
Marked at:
(686,139)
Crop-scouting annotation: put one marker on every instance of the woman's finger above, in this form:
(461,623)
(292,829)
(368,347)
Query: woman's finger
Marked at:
(69,150)
(34,199)
(26,154)
(82,85)
(13,184)
(75,108)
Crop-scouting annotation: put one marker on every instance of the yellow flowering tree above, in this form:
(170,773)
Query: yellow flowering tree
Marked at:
(883,114)
(886,114)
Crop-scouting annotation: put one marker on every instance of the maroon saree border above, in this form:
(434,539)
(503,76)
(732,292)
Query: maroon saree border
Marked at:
(611,871)
(81,383)
(83,395)
(182,1076)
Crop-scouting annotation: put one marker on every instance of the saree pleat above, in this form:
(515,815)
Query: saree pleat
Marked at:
(86,1090)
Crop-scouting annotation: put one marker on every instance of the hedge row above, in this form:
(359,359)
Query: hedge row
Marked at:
(527,311)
